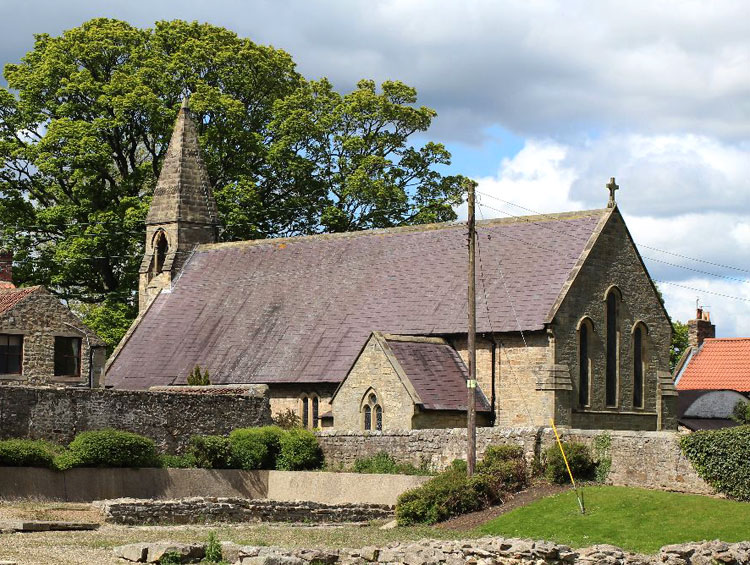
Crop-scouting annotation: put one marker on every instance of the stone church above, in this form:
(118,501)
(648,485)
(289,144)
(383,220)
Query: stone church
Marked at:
(367,330)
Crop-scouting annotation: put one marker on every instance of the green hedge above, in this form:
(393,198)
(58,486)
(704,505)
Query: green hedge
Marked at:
(579,458)
(109,448)
(255,448)
(383,464)
(451,493)
(299,451)
(722,459)
(28,453)
(210,452)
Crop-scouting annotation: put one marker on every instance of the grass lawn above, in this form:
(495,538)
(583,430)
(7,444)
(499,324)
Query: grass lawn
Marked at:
(635,519)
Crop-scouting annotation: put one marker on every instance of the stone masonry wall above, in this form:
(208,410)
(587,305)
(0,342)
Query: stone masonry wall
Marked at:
(136,512)
(39,318)
(641,459)
(169,418)
(613,262)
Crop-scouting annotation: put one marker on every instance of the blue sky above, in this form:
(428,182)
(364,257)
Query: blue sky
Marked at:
(541,102)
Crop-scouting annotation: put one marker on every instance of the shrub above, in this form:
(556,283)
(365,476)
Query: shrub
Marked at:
(28,453)
(448,494)
(579,458)
(382,463)
(741,412)
(211,452)
(213,549)
(505,468)
(602,443)
(255,448)
(195,378)
(287,420)
(299,451)
(721,459)
(169,461)
(171,558)
(109,448)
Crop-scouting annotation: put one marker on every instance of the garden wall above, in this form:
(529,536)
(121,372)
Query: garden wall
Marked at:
(642,459)
(89,484)
(167,417)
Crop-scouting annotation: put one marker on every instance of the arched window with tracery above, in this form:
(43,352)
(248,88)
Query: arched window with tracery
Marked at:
(640,332)
(161,246)
(585,335)
(613,346)
(372,412)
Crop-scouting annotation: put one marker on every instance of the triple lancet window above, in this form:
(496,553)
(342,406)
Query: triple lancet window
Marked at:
(613,346)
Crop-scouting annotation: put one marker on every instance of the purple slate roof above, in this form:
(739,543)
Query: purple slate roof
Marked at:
(437,373)
(300,309)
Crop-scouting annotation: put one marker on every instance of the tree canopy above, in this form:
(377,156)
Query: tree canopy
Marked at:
(85,123)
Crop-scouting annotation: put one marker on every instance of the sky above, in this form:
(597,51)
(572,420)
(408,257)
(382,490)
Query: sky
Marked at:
(541,102)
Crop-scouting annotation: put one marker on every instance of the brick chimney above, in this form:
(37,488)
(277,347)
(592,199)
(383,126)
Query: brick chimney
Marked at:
(6,269)
(700,328)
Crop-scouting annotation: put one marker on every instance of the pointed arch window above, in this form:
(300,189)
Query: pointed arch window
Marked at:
(639,363)
(161,246)
(310,410)
(585,334)
(613,347)
(372,413)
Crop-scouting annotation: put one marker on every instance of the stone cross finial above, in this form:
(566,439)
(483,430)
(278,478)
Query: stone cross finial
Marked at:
(612,187)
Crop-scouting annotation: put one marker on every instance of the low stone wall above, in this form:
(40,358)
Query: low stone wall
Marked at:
(87,485)
(169,418)
(642,459)
(434,552)
(199,510)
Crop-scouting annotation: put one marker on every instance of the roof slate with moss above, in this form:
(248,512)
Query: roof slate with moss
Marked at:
(300,309)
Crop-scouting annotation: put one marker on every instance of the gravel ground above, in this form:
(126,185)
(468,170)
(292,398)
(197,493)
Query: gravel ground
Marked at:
(91,547)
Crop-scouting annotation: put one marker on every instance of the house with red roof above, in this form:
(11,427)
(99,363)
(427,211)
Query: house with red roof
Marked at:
(712,376)
(368,330)
(41,340)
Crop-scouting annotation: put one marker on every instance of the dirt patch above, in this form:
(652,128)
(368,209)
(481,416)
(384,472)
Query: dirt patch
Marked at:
(474,519)
(55,511)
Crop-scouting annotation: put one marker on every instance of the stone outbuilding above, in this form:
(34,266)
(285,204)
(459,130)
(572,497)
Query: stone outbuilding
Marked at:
(570,325)
(41,340)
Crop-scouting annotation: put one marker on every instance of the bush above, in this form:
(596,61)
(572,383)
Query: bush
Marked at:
(195,378)
(255,448)
(211,452)
(741,412)
(213,549)
(449,494)
(579,458)
(505,468)
(721,459)
(28,453)
(287,420)
(109,448)
(299,451)
(169,461)
(383,464)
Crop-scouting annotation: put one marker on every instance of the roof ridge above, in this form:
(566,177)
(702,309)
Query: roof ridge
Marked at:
(418,228)
(726,339)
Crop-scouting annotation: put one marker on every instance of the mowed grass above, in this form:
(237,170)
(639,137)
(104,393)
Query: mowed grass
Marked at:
(634,519)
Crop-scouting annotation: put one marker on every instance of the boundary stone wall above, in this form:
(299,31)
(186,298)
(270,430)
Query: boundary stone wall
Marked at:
(198,510)
(169,418)
(639,459)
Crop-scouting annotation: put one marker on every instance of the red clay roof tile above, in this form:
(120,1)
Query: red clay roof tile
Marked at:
(720,364)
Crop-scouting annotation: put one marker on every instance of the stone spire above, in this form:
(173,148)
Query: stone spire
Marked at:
(183,192)
(182,213)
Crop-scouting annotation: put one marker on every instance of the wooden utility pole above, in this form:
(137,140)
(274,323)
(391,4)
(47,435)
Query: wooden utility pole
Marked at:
(471,385)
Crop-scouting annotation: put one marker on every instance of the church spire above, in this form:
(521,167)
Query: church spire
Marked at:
(183,192)
(182,213)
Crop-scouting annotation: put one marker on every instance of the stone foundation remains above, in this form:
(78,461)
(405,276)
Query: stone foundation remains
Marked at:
(200,510)
(483,551)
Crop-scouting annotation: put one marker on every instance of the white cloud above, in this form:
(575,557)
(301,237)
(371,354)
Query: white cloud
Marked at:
(683,199)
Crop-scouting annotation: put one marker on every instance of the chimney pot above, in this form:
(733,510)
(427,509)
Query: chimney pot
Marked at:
(701,328)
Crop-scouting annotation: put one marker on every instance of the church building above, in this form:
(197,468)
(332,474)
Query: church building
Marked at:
(368,330)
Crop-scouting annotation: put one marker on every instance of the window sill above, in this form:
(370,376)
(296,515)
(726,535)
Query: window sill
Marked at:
(613,410)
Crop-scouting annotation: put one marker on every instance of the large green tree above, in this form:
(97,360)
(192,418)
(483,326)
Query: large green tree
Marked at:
(86,119)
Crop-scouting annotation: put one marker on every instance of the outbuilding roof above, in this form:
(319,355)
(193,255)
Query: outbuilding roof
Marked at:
(300,309)
(9,297)
(719,364)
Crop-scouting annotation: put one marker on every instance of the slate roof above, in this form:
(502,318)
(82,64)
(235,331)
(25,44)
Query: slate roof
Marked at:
(720,363)
(9,297)
(300,309)
(437,373)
